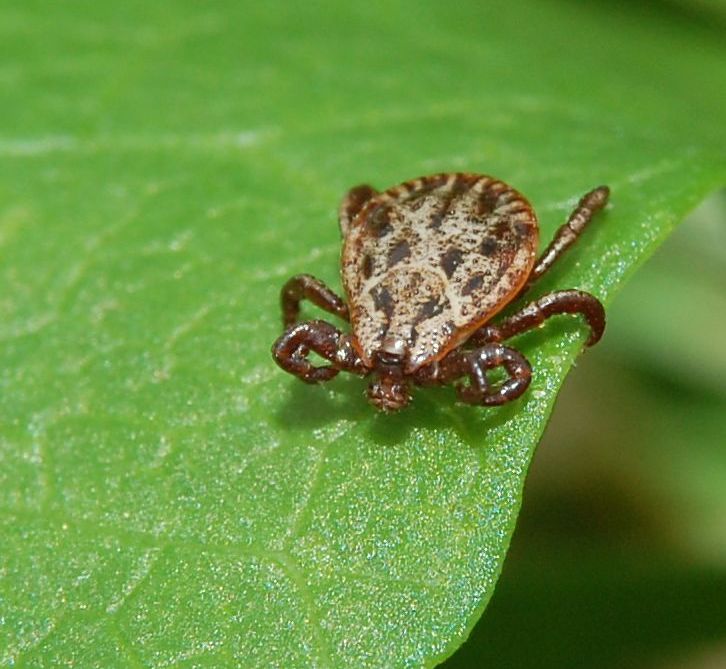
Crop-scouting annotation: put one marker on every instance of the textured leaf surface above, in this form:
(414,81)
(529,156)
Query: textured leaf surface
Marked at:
(170,498)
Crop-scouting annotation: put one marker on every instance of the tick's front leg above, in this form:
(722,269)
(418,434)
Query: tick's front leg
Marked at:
(537,312)
(307,287)
(352,203)
(475,364)
(291,351)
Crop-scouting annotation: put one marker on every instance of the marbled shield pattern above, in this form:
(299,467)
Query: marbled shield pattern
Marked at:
(428,262)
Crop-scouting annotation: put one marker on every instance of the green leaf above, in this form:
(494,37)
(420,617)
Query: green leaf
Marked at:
(170,497)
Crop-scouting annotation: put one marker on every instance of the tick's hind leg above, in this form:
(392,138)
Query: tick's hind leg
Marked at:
(537,312)
(292,349)
(307,287)
(475,364)
(568,233)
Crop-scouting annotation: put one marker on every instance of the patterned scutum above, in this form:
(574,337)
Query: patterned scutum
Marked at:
(428,262)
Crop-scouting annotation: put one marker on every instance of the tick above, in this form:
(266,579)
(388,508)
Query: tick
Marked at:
(426,265)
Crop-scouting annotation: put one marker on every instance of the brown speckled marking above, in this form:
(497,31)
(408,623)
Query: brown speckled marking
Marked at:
(451,259)
(401,251)
(457,248)
(378,223)
(367,266)
(488,246)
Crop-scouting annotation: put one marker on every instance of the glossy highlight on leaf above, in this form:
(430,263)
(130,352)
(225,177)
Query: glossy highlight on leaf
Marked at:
(168,496)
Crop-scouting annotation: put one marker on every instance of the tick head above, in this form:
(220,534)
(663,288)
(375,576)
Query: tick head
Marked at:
(388,391)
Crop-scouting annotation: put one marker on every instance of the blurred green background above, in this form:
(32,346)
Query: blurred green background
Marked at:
(619,557)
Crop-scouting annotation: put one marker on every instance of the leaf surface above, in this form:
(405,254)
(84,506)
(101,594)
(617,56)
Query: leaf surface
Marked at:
(169,497)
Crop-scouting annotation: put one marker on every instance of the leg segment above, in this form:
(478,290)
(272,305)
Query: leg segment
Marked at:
(291,351)
(307,287)
(352,203)
(537,312)
(567,234)
(475,365)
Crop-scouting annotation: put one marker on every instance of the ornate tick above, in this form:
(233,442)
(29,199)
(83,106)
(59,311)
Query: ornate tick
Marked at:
(425,266)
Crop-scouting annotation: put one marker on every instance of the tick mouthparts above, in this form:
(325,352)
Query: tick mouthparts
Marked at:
(389,390)
(389,393)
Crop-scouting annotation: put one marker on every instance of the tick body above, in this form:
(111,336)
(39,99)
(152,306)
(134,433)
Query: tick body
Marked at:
(426,265)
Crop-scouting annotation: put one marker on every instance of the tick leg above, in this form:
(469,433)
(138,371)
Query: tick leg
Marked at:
(567,234)
(537,312)
(352,203)
(475,365)
(291,351)
(307,287)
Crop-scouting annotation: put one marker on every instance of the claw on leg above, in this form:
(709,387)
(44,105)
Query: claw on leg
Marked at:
(475,364)
(480,390)
(535,313)
(292,349)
